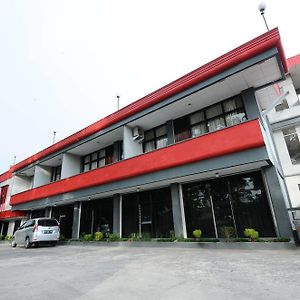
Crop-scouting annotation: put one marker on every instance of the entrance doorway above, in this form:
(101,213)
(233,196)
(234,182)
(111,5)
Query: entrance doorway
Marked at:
(147,213)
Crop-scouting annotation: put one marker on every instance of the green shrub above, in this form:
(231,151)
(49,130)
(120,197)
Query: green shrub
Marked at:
(113,237)
(8,238)
(2,237)
(87,237)
(62,237)
(197,233)
(251,233)
(98,236)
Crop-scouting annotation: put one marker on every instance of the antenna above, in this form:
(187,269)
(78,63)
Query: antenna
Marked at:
(262,8)
(54,135)
(118,101)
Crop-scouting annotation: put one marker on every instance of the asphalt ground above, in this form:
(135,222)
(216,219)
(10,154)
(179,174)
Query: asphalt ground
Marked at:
(105,272)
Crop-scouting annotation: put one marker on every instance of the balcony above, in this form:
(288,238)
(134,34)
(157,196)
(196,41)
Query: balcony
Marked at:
(238,138)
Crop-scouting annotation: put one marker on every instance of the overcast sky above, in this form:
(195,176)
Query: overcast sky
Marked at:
(63,62)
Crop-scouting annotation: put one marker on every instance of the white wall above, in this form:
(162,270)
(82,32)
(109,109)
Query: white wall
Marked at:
(71,165)
(292,100)
(130,147)
(11,226)
(293,188)
(288,168)
(21,184)
(42,176)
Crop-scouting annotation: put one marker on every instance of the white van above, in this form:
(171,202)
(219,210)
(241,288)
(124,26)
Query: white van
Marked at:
(36,231)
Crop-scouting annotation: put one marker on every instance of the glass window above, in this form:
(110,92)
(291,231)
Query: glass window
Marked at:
(235,117)
(56,174)
(250,204)
(47,222)
(197,117)
(216,124)
(282,106)
(235,202)
(293,145)
(226,113)
(162,130)
(155,138)
(198,209)
(182,129)
(98,159)
(94,165)
(149,146)
(199,129)
(3,194)
(213,111)
(161,142)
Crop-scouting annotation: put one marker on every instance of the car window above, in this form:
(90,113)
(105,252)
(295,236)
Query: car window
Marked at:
(47,222)
(22,226)
(30,223)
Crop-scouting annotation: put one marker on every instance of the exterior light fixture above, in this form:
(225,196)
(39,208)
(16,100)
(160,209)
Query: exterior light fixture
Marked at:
(262,8)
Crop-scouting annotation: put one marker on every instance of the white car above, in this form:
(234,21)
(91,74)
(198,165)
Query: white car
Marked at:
(37,231)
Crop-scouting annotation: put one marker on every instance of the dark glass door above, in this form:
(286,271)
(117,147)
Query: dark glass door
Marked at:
(198,209)
(221,199)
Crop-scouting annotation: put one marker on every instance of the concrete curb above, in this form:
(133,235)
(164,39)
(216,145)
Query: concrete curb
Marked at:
(201,245)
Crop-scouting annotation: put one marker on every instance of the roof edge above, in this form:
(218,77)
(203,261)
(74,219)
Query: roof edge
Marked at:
(246,51)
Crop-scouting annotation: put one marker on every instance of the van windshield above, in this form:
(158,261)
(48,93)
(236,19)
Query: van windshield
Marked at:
(47,222)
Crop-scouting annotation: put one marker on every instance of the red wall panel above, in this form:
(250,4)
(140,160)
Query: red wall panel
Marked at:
(8,214)
(237,138)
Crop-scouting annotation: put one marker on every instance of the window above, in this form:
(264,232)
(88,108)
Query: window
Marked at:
(56,174)
(282,106)
(293,145)
(3,194)
(155,138)
(47,222)
(224,114)
(98,159)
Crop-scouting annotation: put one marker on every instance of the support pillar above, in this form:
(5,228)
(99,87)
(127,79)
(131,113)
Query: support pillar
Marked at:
(48,212)
(284,228)
(178,210)
(76,220)
(117,214)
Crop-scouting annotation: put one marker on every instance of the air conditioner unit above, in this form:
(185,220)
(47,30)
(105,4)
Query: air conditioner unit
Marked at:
(137,134)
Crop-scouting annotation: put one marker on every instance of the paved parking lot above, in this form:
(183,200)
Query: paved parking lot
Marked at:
(101,272)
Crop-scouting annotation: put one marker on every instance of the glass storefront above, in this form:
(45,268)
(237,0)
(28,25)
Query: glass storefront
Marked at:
(147,213)
(64,215)
(228,204)
(97,215)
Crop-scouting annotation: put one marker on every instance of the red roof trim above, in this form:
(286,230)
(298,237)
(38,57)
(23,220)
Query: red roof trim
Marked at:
(8,214)
(5,176)
(216,144)
(292,61)
(246,51)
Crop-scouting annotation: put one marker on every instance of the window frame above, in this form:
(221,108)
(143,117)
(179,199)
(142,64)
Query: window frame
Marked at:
(3,195)
(239,108)
(106,154)
(155,137)
(56,173)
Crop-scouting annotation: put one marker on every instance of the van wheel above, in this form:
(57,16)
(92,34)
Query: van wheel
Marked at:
(13,244)
(27,243)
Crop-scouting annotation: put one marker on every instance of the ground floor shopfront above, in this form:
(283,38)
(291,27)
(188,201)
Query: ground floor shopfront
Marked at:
(215,206)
